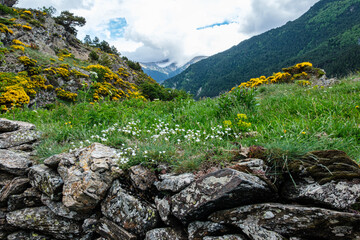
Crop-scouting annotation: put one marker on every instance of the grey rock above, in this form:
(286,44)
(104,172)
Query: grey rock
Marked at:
(218,190)
(130,213)
(53,161)
(5,178)
(198,230)
(292,220)
(87,180)
(251,165)
(59,209)
(256,232)
(3,234)
(14,163)
(228,237)
(165,234)
(30,198)
(46,180)
(17,138)
(11,126)
(142,177)
(89,228)
(16,186)
(44,220)
(339,195)
(174,183)
(112,231)
(4,226)
(164,209)
(22,235)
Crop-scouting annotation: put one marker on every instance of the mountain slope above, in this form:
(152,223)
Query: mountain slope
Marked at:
(160,71)
(327,35)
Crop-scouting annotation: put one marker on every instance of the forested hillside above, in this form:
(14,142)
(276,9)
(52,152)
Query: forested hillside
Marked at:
(328,35)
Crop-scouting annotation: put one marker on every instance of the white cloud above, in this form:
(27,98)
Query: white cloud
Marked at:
(160,29)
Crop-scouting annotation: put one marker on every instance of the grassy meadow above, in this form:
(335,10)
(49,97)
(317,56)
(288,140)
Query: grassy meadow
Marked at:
(190,135)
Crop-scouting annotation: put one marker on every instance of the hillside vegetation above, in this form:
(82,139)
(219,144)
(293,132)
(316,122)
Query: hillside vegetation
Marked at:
(328,35)
(43,63)
(289,115)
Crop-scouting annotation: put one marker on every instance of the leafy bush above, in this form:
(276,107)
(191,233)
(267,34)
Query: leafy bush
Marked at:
(238,97)
(93,56)
(7,10)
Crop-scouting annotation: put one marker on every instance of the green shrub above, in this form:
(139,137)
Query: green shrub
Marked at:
(93,56)
(136,66)
(7,10)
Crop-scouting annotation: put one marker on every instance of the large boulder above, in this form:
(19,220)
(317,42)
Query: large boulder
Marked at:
(14,163)
(87,176)
(324,167)
(44,220)
(218,190)
(132,214)
(292,221)
(337,195)
(46,180)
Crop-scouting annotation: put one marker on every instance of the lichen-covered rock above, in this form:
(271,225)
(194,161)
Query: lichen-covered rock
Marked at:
(164,209)
(112,231)
(5,178)
(17,138)
(11,126)
(292,221)
(88,176)
(59,209)
(141,177)
(14,163)
(46,180)
(174,183)
(228,237)
(218,190)
(130,213)
(339,195)
(16,186)
(251,165)
(325,166)
(4,226)
(89,227)
(165,234)
(53,161)
(198,230)
(256,232)
(22,235)
(44,220)
(30,198)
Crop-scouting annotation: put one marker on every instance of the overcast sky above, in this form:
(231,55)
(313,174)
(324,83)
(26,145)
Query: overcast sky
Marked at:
(153,30)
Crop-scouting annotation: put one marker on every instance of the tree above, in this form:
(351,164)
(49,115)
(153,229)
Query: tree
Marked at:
(87,40)
(69,21)
(9,3)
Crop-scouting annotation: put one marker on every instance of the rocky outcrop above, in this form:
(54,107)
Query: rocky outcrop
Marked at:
(87,176)
(83,195)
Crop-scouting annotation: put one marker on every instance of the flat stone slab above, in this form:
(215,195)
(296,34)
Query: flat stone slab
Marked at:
(14,163)
(292,221)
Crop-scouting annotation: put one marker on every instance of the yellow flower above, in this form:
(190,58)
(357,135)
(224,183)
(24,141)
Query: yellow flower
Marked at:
(357,107)
(285,131)
(303,133)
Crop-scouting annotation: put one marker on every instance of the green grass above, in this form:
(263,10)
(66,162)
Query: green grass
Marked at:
(191,135)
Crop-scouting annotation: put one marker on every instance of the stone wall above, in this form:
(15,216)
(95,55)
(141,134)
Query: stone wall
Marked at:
(84,195)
